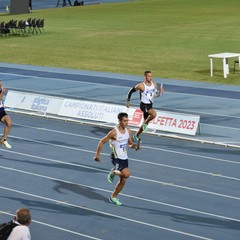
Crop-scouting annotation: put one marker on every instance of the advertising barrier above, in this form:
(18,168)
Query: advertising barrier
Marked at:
(89,110)
(101,112)
(32,102)
(175,122)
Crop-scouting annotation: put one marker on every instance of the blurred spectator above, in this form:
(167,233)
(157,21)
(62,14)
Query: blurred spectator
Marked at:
(21,231)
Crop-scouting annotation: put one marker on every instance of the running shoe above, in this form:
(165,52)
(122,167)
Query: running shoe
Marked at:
(111,176)
(7,145)
(136,139)
(115,201)
(144,126)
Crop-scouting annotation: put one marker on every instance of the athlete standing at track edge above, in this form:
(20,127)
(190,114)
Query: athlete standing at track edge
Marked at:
(4,118)
(120,139)
(148,90)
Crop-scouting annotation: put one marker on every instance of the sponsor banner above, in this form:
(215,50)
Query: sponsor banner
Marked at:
(101,112)
(90,110)
(175,122)
(32,102)
(96,111)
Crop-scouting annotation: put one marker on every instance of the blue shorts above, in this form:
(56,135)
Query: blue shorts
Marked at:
(2,114)
(119,163)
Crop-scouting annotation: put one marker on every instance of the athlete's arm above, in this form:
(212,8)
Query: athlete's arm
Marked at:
(131,91)
(159,91)
(2,92)
(109,136)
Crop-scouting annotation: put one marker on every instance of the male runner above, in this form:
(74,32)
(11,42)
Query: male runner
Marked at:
(148,90)
(120,139)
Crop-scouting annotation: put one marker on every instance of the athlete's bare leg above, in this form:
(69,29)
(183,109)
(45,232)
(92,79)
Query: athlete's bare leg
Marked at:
(151,116)
(123,175)
(8,124)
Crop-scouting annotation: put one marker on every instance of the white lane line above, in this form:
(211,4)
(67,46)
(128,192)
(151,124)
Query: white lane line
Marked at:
(104,84)
(89,137)
(58,79)
(137,160)
(126,195)
(206,113)
(108,214)
(187,169)
(57,131)
(145,146)
(76,73)
(192,155)
(135,177)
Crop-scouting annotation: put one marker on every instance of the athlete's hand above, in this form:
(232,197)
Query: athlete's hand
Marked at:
(128,104)
(135,146)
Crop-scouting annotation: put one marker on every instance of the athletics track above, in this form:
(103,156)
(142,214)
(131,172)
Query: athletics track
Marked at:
(179,189)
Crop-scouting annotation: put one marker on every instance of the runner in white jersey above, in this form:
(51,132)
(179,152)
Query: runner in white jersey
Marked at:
(120,144)
(4,118)
(120,138)
(148,90)
(148,94)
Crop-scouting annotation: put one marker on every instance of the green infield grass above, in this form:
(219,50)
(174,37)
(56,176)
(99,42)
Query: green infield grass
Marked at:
(173,38)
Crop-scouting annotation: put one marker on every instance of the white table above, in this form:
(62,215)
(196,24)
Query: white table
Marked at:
(224,57)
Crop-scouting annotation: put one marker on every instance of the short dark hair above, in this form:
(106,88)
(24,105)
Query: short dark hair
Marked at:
(122,115)
(147,72)
(23,216)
